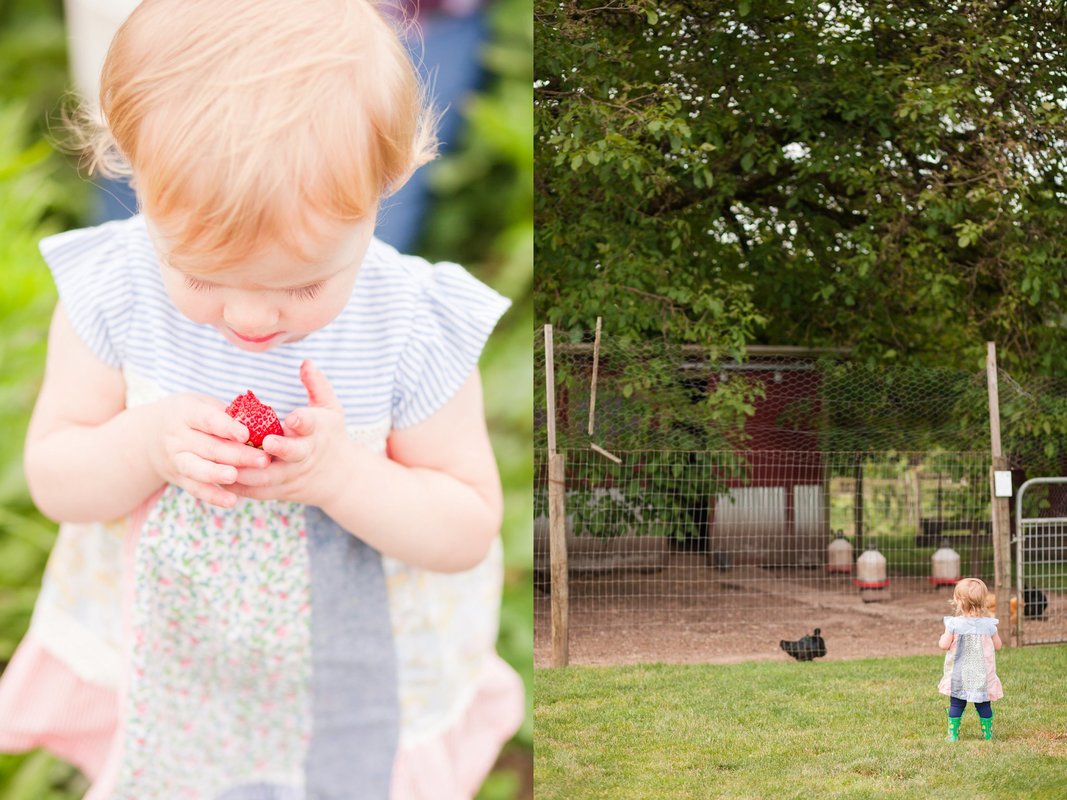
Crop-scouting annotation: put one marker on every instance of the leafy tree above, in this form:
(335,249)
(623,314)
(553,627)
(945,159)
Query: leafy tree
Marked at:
(885,175)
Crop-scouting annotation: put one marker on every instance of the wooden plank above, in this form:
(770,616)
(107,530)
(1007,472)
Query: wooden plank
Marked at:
(994,398)
(557,544)
(750,351)
(596,365)
(610,456)
(550,386)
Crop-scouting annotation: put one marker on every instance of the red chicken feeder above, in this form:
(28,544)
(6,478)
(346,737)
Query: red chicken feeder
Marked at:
(872,577)
(945,566)
(882,584)
(839,555)
(874,591)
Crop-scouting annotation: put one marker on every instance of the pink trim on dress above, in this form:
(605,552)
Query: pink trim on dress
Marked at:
(993,684)
(453,765)
(44,704)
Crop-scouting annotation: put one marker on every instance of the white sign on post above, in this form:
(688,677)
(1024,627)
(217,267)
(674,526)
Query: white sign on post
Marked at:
(1002,483)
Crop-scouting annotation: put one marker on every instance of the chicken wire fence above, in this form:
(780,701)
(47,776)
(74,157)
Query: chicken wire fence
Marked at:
(714,505)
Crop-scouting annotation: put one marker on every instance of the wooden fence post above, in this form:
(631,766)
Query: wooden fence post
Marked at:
(1000,513)
(557,520)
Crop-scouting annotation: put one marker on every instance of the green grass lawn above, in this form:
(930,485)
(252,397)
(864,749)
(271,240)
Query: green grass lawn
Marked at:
(847,729)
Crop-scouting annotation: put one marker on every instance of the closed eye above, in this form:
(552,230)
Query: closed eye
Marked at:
(301,292)
(197,285)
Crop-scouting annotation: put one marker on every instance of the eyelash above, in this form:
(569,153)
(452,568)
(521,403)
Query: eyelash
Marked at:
(195,285)
(305,292)
(301,293)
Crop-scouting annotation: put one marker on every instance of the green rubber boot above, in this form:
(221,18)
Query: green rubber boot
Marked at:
(953,729)
(987,726)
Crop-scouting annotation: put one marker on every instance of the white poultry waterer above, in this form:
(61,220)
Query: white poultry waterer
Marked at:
(871,570)
(945,566)
(839,554)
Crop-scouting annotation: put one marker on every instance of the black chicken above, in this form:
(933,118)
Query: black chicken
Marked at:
(1034,604)
(807,648)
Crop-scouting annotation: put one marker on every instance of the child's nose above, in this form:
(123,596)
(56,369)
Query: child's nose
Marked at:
(250,315)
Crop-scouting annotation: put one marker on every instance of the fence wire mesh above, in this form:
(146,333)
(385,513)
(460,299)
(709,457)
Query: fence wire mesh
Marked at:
(718,507)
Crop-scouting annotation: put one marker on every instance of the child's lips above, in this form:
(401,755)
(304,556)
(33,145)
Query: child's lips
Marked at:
(253,339)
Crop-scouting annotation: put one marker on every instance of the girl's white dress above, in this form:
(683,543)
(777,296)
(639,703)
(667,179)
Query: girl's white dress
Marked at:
(263,653)
(971,661)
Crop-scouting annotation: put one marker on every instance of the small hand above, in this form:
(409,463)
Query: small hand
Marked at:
(309,463)
(200,447)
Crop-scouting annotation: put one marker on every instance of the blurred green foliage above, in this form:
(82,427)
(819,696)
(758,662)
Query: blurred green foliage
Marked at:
(482,217)
(38,195)
(29,189)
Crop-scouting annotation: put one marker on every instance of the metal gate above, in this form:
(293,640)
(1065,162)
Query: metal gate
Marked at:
(1040,571)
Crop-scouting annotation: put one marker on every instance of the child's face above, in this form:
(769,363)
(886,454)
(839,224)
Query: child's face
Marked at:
(272,298)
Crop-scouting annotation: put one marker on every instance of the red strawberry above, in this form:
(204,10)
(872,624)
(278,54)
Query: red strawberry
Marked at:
(260,419)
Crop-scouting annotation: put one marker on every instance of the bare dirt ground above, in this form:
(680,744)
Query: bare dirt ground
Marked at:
(691,613)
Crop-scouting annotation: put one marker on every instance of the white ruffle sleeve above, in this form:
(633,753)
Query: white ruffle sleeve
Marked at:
(963,625)
(88,266)
(454,314)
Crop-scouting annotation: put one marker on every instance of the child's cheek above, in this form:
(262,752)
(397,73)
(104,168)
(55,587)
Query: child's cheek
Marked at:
(200,308)
(312,316)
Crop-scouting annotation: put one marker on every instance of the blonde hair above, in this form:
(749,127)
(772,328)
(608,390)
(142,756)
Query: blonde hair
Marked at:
(247,123)
(971,598)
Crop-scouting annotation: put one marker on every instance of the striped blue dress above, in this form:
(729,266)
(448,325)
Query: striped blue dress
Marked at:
(262,652)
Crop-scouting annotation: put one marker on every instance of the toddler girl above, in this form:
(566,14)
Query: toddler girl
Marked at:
(315,618)
(971,640)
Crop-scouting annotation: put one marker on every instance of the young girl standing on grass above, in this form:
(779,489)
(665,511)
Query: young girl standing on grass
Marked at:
(971,640)
(312,619)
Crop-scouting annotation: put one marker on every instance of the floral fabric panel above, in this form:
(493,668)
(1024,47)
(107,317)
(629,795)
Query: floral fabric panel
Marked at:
(220,665)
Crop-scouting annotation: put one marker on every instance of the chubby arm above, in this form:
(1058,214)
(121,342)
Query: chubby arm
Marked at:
(89,459)
(946,640)
(997,643)
(435,502)
(454,480)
